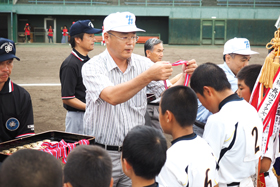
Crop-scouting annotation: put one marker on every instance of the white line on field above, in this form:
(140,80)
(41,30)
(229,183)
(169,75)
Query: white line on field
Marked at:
(43,84)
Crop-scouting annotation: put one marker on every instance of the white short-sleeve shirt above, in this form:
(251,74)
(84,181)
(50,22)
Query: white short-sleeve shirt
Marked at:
(236,127)
(190,162)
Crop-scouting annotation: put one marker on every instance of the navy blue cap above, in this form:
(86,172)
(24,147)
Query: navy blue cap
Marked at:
(7,50)
(83,26)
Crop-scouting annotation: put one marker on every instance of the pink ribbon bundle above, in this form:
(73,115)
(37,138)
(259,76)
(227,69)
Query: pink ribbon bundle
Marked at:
(59,149)
(187,78)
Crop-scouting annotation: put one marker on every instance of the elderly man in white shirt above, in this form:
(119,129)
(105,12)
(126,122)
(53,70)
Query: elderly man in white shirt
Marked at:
(117,81)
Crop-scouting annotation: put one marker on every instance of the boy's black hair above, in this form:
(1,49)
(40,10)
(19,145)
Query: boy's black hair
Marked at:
(72,39)
(144,148)
(31,168)
(182,102)
(211,75)
(88,166)
(249,74)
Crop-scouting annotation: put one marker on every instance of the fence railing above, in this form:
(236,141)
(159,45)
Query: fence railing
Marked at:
(222,3)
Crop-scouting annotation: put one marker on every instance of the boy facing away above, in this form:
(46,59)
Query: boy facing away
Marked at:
(143,155)
(31,168)
(88,166)
(190,161)
(247,77)
(234,130)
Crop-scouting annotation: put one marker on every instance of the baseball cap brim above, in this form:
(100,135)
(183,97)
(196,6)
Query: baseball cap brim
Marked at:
(245,52)
(93,31)
(8,56)
(127,29)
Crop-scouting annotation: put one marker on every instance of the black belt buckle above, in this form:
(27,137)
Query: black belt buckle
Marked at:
(150,97)
(110,147)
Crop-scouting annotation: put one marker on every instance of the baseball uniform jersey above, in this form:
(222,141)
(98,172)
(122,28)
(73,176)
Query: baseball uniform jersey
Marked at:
(235,135)
(71,78)
(16,113)
(190,162)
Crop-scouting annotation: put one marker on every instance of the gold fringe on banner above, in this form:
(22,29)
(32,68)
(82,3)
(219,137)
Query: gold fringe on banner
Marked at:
(271,63)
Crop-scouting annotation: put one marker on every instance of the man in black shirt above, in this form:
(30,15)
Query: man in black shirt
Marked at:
(72,87)
(16,113)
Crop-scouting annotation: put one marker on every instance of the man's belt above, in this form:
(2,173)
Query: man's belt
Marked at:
(110,147)
(233,184)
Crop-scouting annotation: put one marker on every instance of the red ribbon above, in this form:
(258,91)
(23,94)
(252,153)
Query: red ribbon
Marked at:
(187,78)
(59,149)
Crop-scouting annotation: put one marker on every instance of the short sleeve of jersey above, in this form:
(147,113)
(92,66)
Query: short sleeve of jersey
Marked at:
(189,167)
(213,134)
(68,79)
(94,79)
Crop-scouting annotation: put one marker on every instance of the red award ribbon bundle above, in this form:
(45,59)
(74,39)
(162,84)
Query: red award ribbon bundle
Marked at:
(187,78)
(59,149)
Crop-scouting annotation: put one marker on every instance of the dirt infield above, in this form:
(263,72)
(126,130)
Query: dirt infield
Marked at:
(40,63)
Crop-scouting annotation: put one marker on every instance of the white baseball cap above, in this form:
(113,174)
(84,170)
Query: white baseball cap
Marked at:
(238,46)
(121,22)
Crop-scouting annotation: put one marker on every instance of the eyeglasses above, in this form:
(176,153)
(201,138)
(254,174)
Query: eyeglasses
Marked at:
(126,39)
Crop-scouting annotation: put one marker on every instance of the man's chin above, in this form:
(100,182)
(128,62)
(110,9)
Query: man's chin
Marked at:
(3,79)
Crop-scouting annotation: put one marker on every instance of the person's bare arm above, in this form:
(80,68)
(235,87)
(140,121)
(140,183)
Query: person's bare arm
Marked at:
(176,78)
(124,91)
(75,103)
(265,164)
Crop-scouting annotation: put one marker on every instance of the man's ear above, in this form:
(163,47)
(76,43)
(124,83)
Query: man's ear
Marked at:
(112,182)
(106,37)
(148,52)
(168,116)
(127,166)
(228,58)
(77,40)
(207,91)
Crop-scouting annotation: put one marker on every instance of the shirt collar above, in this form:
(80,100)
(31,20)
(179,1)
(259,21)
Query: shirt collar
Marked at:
(153,185)
(8,87)
(111,63)
(228,69)
(186,137)
(79,56)
(233,97)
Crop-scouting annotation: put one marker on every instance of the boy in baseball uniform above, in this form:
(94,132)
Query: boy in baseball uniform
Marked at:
(190,160)
(234,130)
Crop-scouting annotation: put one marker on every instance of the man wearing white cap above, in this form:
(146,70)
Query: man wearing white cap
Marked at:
(117,82)
(236,55)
